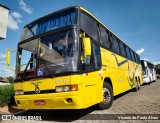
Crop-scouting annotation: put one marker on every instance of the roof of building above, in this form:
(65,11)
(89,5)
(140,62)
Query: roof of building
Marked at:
(4,80)
(4,6)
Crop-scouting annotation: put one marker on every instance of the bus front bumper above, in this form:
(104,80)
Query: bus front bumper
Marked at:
(64,100)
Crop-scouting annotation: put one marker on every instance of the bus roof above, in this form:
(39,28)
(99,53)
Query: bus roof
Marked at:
(143,60)
(4,6)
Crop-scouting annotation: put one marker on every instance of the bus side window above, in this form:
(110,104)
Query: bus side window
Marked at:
(121,45)
(89,25)
(104,37)
(128,52)
(115,46)
(132,54)
(97,57)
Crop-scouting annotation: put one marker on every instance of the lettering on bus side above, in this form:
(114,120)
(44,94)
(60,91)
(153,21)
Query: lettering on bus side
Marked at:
(61,81)
(56,22)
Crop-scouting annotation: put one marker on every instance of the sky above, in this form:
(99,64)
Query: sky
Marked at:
(136,22)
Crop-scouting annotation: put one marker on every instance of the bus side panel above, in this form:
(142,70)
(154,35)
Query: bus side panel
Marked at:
(92,88)
(120,70)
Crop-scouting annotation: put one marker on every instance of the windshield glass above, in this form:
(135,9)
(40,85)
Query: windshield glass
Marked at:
(60,52)
(49,55)
(143,67)
(50,22)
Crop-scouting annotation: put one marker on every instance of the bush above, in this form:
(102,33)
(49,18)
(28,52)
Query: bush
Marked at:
(6,93)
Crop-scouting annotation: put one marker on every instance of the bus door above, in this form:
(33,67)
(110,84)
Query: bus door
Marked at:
(91,64)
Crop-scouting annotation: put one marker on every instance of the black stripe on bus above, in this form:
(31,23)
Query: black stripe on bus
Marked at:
(41,92)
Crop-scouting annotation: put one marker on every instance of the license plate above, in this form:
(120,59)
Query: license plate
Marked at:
(39,102)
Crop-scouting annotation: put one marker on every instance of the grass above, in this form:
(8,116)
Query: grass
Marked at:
(6,93)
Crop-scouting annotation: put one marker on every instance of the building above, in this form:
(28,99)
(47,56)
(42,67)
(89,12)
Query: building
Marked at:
(3,21)
(4,81)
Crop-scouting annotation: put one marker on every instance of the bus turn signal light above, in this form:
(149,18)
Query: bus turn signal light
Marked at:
(74,87)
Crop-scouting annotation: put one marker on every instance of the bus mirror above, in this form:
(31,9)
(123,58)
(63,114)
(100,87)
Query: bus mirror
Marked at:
(8,52)
(8,57)
(87,47)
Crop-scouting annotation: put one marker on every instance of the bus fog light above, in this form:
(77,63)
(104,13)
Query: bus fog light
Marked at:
(19,92)
(59,89)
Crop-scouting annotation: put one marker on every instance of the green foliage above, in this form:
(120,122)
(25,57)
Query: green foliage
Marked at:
(6,93)
(10,79)
(1,77)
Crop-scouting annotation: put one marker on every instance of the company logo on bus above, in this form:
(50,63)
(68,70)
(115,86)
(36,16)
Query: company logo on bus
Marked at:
(37,89)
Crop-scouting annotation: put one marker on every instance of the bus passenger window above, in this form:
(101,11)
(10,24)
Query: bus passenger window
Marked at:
(115,46)
(104,37)
(128,52)
(121,45)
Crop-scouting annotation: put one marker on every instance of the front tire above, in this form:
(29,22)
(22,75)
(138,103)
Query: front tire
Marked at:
(107,97)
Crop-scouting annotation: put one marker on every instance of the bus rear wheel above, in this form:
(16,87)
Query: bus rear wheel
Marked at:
(107,97)
(138,86)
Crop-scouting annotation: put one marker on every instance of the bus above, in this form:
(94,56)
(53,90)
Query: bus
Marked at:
(149,71)
(158,71)
(69,60)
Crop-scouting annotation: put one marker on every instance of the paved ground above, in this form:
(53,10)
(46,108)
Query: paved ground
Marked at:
(146,101)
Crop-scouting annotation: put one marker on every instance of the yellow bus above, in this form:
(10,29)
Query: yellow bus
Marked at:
(69,60)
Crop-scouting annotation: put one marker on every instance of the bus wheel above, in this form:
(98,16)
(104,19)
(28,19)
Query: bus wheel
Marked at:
(107,97)
(137,86)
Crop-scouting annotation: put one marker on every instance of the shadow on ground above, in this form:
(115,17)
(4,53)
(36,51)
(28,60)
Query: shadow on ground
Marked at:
(14,109)
(59,115)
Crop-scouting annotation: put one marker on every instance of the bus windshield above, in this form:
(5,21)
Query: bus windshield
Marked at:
(49,55)
(143,67)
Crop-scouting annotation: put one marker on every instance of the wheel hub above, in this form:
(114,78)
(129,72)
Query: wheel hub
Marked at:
(106,95)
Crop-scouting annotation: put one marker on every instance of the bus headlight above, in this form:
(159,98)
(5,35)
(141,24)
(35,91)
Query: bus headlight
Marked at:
(59,88)
(67,88)
(19,92)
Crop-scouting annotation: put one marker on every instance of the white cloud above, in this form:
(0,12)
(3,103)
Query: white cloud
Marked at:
(2,56)
(16,15)
(4,72)
(13,20)
(25,7)
(12,24)
(19,21)
(156,62)
(3,62)
(140,51)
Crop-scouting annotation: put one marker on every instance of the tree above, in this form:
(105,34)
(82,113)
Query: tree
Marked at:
(10,79)
(1,78)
